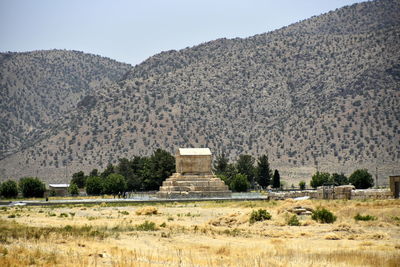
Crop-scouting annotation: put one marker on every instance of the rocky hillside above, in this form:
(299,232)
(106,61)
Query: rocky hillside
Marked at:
(38,88)
(324,92)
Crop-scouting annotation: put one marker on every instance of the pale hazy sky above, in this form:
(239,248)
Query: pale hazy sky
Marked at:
(131,31)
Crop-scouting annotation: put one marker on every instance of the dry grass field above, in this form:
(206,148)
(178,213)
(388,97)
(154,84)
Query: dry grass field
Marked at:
(199,234)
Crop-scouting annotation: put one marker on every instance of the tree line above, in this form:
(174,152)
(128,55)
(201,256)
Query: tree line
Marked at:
(247,172)
(143,173)
(361,179)
(138,174)
(28,186)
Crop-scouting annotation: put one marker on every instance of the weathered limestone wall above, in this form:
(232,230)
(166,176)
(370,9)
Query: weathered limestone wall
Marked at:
(371,194)
(338,192)
(193,164)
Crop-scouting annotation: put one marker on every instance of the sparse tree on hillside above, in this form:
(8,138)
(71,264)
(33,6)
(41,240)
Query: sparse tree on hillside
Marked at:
(276,180)
(263,171)
(9,189)
(361,179)
(31,187)
(245,165)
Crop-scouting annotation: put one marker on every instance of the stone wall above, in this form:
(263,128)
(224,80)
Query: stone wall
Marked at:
(337,192)
(193,164)
(371,194)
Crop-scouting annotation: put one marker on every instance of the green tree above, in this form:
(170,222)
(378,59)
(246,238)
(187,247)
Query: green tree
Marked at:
(240,183)
(73,189)
(94,172)
(276,180)
(263,171)
(245,165)
(137,164)
(114,184)
(9,189)
(320,178)
(221,164)
(160,166)
(302,185)
(108,170)
(339,179)
(228,175)
(361,179)
(79,179)
(31,187)
(124,168)
(94,185)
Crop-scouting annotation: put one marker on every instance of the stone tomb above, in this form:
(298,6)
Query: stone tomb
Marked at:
(193,177)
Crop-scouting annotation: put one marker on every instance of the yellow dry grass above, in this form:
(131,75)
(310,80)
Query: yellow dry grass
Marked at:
(199,234)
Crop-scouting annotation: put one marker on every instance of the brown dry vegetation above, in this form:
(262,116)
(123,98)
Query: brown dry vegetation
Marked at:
(199,234)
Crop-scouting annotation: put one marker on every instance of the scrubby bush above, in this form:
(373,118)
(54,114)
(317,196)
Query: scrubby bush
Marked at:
(240,183)
(259,215)
(294,221)
(31,187)
(73,190)
(146,226)
(360,217)
(323,215)
(9,189)
(302,185)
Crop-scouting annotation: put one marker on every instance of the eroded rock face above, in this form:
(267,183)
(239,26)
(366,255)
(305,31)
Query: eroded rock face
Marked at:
(194,177)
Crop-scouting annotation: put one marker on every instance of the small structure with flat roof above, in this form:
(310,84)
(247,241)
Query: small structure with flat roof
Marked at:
(193,177)
(58,189)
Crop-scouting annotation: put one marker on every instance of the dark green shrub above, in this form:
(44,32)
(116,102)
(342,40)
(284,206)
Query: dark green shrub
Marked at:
(240,183)
(146,226)
(360,217)
(73,190)
(259,215)
(323,215)
(319,179)
(302,185)
(294,221)
(31,187)
(114,184)
(9,189)
(361,179)
(94,185)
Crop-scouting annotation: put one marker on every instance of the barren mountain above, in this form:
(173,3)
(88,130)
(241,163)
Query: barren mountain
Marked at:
(323,92)
(38,88)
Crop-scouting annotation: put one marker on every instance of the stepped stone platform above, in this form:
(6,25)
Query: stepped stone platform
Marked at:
(194,177)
